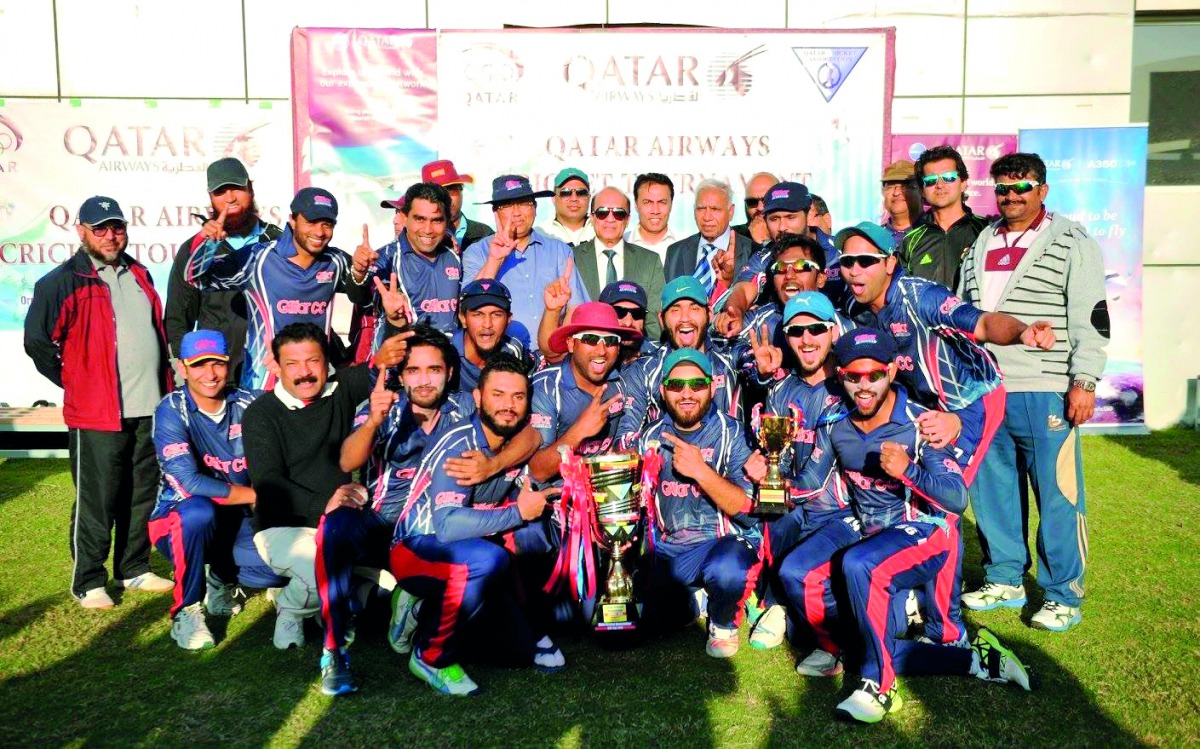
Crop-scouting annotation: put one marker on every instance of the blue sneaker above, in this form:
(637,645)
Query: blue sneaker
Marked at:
(995,596)
(336,678)
(1056,617)
(450,680)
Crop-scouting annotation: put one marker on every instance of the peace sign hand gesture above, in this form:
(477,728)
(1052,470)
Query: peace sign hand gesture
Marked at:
(557,294)
(768,358)
(396,306)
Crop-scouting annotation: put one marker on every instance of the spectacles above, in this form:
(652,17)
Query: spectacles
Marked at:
(620,214)
(864,261)
(518,204)
(579,192)
(813,329)
(872,375)
(635,312)
(754,202)
(1020,188)
(800,266)
(695,384)
(950,177)
(595,339)
(890,185)
(104,231)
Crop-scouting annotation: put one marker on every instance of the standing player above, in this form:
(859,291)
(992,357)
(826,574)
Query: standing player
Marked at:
(703,537)
(454,545)
(288,280)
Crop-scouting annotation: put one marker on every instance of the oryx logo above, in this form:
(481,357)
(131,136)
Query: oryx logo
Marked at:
(829,67)
(10,135)
(731,77)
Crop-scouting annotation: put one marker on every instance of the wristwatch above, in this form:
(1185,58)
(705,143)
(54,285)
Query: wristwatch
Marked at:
(1085,386)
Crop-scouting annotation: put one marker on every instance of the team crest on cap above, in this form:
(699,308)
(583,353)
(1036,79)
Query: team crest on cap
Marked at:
(865,338)
(779,194)
(437,172)
(322,200)
(485,285)
(105,204)
(627,287)
(512,184)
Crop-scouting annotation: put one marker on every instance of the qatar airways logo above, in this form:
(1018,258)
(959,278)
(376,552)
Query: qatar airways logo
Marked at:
(863,481)
(678,489)
(224,466)
(297,307)
(438,305)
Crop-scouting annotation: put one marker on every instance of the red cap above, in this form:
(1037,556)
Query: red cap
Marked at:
(442,172)
(591,316)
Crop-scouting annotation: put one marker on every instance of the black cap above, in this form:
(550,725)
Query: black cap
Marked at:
(98,209)
(227,171)
(315,204)
(484,292)
(623,291)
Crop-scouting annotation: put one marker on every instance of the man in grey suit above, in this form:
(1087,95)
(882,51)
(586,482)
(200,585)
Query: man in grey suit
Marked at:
(715,253)
(609,258)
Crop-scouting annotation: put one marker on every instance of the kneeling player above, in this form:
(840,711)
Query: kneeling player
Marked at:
(703,538)
(455,546)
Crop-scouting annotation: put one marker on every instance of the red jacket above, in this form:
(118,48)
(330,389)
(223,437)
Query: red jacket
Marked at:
(71,335)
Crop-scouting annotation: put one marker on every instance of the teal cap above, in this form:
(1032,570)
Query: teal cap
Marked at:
(812,303)
(870,231)
(686,356)
(683,287)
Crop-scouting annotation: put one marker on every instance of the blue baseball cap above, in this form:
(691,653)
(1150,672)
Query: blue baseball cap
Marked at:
(98,210)
(812,303)
(200,345)
(787,196)
(315,204)
(509,187)
(870,231)
(865,343)
(624,291)
(484,292)
(686,356)
(683,287)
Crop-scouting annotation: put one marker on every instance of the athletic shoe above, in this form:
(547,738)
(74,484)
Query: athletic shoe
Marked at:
(218,597)
(722,642)
(754,610)
(450,680)
(998,663)
(768,632)
(995,596)
(96,599)
(404,621)
(700,606)
(336,678)
(820,663)
(190,631)
(867,705)
(289,630)
(547,658)
(1056,617)
(149,582)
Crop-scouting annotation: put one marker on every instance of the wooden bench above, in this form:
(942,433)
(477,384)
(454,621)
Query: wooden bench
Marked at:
(32,433)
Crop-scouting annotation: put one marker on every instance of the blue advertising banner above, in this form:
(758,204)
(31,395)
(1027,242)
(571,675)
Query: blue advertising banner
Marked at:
(1097,176)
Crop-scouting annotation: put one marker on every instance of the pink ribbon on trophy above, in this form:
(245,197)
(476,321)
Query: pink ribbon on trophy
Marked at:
(652,462)
(576,561)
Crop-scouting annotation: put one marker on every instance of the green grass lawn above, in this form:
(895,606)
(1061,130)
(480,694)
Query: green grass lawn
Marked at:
(1125,676)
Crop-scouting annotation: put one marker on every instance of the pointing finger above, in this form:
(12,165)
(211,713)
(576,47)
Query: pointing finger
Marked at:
(366,239)
(570,267)
(381,380)
(670,439)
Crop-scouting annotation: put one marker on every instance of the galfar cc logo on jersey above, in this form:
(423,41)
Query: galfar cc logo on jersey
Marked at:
(829,67)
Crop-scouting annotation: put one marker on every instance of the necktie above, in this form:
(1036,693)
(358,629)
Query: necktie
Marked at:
(610,275)
(704,271)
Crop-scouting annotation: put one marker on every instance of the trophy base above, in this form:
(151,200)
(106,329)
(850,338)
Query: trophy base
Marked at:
(770,503)
(615,616)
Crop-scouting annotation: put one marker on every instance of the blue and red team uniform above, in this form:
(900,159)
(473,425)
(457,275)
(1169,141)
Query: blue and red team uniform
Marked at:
(558,402)
(468,373)
(938,361)
(400,445)
(642,380)
(431,286)
(467,553)
(200,458)
(755,269)
(694,545)
(912,540)
(278,292)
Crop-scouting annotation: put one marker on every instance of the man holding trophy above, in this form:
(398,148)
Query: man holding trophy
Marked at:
(700,535)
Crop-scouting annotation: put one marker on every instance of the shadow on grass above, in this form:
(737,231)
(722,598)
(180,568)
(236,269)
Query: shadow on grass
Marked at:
(1176,448)
(20,476)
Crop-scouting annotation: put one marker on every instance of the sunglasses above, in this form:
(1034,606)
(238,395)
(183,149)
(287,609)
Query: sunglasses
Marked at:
(620,214)
(813,329)
(634,312)
(595,339)
(873,375)
(1020,188)
(864,261)
(104,231)
(929,180)
(800,266)
(695,384)
(754,202)
(579,192)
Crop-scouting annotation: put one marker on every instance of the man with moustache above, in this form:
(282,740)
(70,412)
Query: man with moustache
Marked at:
(703,536)
(608,258)
(455,547)
(570,223)
(463,231)
(755,228)
(229,186)
(484,312)
(95,329)
(712,254)
(289,280)
(1033,263)
(685,321)
(941,362)
(654,195)
(907,495)
(901,198)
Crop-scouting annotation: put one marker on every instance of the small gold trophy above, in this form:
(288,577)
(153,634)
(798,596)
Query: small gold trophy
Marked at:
(775,435)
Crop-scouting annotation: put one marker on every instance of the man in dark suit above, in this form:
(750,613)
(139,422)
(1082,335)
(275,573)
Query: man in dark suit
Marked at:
(714,254)
(466,232)
(755,227)
(609,258)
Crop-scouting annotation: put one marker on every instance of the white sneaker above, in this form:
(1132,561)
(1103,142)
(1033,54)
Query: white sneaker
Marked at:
(820,663)
(995,596)
(97,599)
(1056,617)
(722,642)
(289,630)
(149,582)
(404,621)
(867,705)
(190,631)
(218,598)
(770,628)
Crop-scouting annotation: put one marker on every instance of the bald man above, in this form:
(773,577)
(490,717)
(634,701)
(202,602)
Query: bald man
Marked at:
(755,227)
